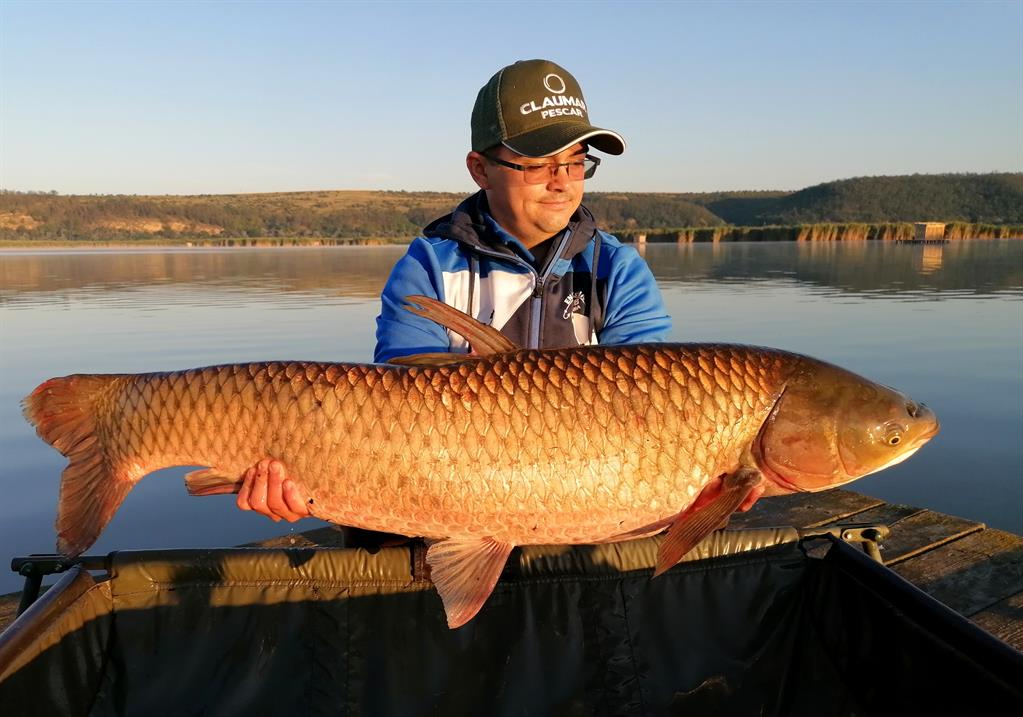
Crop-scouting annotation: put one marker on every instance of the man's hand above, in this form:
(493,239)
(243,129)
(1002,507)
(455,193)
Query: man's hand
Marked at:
(267,490)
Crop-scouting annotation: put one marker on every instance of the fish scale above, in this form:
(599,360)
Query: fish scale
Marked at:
(495,437)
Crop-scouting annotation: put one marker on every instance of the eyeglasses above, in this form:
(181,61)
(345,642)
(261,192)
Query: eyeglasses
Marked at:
(542,173)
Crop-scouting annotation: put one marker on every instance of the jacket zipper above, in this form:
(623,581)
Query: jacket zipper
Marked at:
(536,305)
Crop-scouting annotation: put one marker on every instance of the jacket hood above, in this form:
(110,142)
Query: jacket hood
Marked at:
(466,225)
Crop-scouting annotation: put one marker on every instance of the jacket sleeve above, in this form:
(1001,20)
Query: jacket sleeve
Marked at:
(399,331)
(634,310)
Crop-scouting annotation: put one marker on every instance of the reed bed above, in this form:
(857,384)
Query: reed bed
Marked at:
(897,231)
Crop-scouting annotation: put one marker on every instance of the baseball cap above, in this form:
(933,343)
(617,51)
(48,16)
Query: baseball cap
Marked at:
(536,108)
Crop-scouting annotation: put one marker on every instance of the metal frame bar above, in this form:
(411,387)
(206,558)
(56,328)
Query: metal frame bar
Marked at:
(38,565)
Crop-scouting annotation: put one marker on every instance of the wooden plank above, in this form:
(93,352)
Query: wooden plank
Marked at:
(804,510)
(889,514)
(8,609)
(913,530)
(922,531)
(9,606)
(1004,620)
(969,574)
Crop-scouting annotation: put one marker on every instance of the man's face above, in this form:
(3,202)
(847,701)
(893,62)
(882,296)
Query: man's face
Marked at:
(530,212)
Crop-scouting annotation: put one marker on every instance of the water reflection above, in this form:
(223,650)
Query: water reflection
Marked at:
(861,267)
(931,258)
(350,271)
(940,322)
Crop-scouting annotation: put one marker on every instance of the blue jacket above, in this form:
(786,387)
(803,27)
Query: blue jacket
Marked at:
(468,261)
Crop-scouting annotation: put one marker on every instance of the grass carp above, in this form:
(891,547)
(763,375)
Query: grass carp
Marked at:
(480,453)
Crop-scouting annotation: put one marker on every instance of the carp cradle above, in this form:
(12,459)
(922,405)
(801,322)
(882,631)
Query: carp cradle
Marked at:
(751,622)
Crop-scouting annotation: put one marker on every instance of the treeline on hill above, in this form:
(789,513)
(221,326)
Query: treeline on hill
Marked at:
(975,198)
(995,199)
(299,214)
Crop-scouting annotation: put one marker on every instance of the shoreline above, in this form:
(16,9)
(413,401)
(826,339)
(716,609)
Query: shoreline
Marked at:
(234,243)
(628,238)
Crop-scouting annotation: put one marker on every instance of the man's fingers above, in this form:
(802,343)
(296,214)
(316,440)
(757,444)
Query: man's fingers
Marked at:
(276,503)
(266,490)
(257,493)
(297,502)
(243,495)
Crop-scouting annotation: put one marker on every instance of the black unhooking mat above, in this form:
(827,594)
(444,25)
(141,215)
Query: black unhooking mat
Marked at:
(737,629)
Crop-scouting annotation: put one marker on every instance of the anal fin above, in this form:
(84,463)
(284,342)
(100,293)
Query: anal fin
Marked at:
(465,571)
(696,523)
(211,481)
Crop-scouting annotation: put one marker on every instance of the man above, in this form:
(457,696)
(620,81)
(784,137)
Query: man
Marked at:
(522,254)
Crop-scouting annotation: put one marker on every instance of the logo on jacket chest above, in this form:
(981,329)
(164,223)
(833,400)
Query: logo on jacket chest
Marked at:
(575,303)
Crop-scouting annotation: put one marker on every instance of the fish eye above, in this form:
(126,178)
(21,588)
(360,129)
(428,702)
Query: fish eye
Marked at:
(893,431)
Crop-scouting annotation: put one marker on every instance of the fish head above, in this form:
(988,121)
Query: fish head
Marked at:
(830,426)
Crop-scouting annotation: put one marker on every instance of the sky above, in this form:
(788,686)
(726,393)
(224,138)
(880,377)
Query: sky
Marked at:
(238,97)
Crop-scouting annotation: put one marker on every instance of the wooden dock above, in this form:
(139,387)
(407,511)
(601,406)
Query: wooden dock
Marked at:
(975,570)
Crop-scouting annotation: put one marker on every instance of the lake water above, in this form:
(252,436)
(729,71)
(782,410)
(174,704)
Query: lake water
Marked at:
(943,323)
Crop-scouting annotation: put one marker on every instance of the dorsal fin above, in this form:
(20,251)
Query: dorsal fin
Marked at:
(433,359)
(483,339)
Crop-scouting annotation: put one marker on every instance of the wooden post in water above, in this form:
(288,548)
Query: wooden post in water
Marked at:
(929,231)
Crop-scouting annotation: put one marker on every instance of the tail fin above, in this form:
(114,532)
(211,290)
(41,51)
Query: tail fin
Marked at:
(63,411)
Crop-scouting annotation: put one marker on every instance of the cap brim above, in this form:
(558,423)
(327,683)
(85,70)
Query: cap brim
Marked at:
(555,138)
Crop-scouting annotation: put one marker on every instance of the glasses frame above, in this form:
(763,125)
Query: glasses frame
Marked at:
(552,167)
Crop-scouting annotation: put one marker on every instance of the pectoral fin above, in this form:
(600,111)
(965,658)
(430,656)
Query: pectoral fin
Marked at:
(706,515)
(485,340)
(465,570)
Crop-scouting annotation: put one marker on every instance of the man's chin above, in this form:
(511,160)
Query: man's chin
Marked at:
(554,219)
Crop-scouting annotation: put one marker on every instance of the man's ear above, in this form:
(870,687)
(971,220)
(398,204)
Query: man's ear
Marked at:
(476,164)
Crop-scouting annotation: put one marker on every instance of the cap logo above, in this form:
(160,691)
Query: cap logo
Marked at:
(554,83)
(556,103)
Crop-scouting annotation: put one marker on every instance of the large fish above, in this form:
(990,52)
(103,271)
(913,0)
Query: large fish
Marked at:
(482,453)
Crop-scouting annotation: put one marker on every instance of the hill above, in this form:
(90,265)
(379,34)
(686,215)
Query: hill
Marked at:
(343,215)
(975,198)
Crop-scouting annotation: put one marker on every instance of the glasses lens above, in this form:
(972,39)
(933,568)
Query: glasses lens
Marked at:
(536,173)
(576,170)
(542,173)
(590,166)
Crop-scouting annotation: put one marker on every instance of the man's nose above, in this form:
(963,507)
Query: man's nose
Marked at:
(559,177)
